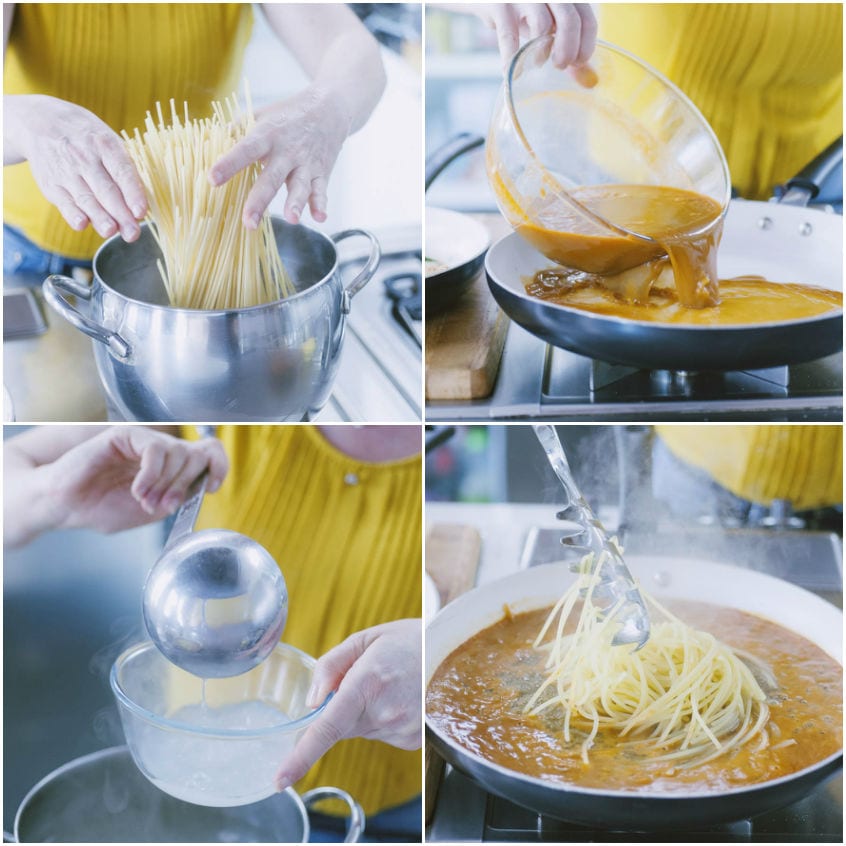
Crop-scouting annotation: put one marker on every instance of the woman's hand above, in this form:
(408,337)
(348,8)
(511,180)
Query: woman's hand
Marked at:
(376,674)
(79,164)
(574,25)
(297,141)
(122,477)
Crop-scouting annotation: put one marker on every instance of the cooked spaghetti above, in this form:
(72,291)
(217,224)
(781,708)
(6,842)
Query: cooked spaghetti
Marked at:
(684,698)
(209,259)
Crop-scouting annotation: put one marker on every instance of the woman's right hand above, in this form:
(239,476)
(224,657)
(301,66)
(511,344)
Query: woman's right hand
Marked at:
(573,24)
(80,165)
(122,477)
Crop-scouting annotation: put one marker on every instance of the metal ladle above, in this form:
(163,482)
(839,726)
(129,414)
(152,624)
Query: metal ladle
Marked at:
(215,603)
(615,589)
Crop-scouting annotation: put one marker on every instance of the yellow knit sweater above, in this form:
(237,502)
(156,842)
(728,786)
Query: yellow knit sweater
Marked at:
(803,464)
(117,60)
(767,76)
(351,557)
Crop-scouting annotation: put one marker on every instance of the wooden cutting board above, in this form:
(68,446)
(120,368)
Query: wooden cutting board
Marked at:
(464,344)
(452,558)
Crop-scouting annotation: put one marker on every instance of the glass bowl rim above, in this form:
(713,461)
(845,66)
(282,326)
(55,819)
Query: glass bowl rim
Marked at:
(167,724)
(651,71)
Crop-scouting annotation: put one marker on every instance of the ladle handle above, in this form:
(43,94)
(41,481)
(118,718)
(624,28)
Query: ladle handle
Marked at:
(55,287)
(183,524)
(551,444)
(355,827)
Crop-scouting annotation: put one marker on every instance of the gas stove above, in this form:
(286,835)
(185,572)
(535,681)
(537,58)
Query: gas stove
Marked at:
(464,811)
(537,380)
(380,376)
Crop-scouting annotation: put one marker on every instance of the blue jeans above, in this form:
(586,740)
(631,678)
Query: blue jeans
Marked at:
(20,255)
(402,824)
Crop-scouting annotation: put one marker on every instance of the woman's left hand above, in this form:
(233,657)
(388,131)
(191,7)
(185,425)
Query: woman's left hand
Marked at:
(376,676)
(297,141)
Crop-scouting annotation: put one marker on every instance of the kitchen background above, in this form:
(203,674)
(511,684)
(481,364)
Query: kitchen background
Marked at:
(71,604)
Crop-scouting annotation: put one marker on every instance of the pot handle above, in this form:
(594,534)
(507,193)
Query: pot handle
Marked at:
(366,273)
(55,287)
(356,824)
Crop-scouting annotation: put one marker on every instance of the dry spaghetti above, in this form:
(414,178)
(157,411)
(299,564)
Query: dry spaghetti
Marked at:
(210,260)
(684,697)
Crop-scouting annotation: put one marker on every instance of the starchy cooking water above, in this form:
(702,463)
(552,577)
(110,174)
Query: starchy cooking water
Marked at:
(219,770)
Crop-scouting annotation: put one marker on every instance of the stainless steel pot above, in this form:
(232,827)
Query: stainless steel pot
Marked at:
(733,587)
(103,798)
(266,363)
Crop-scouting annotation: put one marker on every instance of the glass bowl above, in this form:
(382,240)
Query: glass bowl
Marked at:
(216,742)
(555,131)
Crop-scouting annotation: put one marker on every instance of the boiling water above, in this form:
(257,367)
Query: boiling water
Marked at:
(217,771)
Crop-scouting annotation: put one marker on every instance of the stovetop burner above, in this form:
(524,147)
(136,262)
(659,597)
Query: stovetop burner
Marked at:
(380,375)
(467,813)
(536,380)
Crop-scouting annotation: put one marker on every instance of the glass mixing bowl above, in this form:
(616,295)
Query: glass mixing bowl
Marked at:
(555,131)
(217,742)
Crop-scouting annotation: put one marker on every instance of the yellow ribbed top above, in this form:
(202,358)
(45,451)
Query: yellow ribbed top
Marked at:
(767,76)
(117,60)
(351,557)
(803,464)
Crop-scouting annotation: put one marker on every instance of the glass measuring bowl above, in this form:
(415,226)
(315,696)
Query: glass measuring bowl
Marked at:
(216,742)
(556,134)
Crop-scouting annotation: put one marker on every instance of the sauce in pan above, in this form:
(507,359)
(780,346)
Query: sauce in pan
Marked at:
(744,300)
(669,279)
(683,228)
(476,698)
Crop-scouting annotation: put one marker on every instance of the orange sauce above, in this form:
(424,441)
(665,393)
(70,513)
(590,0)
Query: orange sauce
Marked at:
(743,300)
(682,227)
(476,697)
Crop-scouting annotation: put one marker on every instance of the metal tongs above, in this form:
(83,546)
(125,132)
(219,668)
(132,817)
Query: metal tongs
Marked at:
(615,589)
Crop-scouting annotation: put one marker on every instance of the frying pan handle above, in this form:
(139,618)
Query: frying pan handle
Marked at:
(366,273)
(55,288)
(450,150)
(355,827)
(803,187)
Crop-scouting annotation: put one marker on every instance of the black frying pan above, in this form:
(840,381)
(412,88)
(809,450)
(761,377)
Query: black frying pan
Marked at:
(783,242)
(454,240)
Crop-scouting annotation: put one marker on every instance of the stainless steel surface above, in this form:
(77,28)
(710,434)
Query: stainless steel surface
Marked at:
(468,814)
(379,378)
(355,826)
(215,603)
(272,362)
(536,587)
(615,592)
(103,798)
(537,380)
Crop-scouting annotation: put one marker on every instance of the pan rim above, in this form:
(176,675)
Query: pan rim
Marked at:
(477,254)
(570,789)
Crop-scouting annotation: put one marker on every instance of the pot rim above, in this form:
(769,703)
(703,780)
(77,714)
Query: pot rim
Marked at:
(117,752)
(224,311)
(167,724)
